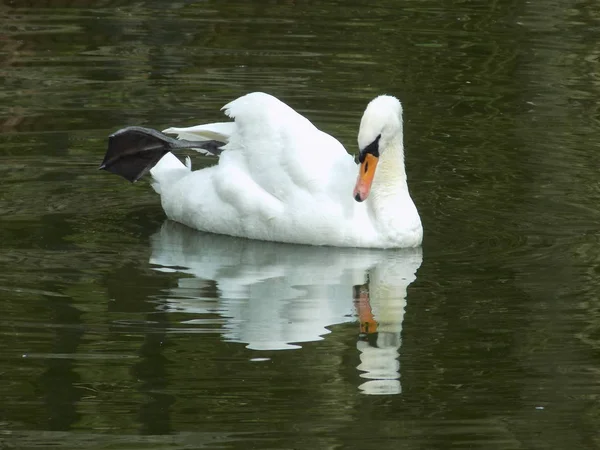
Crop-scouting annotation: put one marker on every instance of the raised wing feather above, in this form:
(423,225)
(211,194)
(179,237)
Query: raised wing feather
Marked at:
(218,132)
(283,151)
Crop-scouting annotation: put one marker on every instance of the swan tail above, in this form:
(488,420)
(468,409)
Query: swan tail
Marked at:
(169,170)
(134,151)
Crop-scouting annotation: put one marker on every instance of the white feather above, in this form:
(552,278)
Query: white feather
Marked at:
(219,131)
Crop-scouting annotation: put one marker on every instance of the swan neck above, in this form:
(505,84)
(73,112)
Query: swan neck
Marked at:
(391,168)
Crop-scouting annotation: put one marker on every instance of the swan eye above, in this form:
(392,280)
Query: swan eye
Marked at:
(372,148)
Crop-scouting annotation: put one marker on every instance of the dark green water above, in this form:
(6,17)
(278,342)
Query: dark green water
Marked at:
(121,330)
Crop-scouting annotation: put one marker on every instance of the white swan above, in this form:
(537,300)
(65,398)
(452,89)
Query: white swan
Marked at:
(279,178)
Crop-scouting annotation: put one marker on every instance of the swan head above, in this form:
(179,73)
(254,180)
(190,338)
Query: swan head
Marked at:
(380,127)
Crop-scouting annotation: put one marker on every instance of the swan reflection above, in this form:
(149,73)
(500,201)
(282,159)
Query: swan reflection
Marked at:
(274,296)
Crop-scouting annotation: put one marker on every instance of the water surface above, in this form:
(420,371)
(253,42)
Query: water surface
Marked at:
(122,330)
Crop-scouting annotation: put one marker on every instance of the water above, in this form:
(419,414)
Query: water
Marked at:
(121,330)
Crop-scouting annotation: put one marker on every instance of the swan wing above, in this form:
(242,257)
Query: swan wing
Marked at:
(220,131)
(283,151)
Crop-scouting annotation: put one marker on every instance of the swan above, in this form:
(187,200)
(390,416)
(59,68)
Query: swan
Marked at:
(278,177)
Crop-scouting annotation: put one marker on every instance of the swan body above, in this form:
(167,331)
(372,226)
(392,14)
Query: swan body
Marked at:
(279,178)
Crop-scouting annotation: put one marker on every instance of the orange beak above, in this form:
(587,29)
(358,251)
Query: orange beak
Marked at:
(365,178)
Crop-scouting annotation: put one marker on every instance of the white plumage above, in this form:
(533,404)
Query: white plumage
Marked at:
(280,178)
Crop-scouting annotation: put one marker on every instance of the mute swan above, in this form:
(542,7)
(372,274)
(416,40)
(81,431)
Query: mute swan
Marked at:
(279,178)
